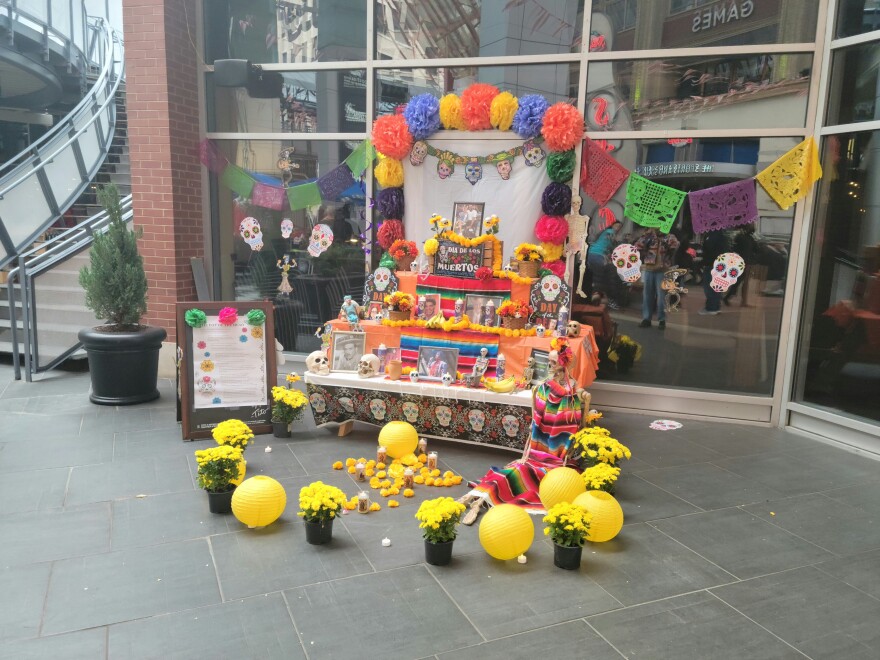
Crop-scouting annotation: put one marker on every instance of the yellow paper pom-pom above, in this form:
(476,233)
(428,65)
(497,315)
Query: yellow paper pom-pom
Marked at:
(409,492)
(429,481)
(375,506)
(380,466)
(450,113)
(423,458)
(389,173)
(419,479)
(502,110)
(386,483)
(552,252)
(352,470)
(431,247)
(435,473)
(349,462)
(393,504)
(337,465)
(384,492)
(381,474)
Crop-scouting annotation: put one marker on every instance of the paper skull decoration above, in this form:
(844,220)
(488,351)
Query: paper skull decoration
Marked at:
(510,424)
(381,278)
(504,168)
(445,168)
(207,385)
(250,231)
(447,378)
(368,365)
(346,404)
(378,408)
(726,271)
(318,402)
(477,419)
(443,414)
(473,172)
(628,262)
(533,153)
(418,153)
(317,363)
(551,287)
(573,329)
(286,228)
(410,411)
(320,240)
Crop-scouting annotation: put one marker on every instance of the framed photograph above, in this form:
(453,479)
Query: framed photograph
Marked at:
(542,365)
(434,362)
(468,218)
(475,306)
(374,311)
(432,305)
(346,350)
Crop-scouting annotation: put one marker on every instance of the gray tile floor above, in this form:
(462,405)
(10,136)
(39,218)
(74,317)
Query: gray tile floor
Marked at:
(740,542)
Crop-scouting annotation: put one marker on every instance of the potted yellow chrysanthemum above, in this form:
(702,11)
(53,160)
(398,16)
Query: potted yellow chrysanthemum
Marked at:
(568,526)
(318,506)
(218,472)
(438,518)
(288,406)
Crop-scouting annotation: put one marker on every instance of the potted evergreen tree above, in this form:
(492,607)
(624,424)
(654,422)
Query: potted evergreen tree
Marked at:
(123,354)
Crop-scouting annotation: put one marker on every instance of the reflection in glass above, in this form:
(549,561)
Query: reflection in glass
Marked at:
(855,85)
(731,350)
(318,283)
(414,29)
(840,352)
(857,17)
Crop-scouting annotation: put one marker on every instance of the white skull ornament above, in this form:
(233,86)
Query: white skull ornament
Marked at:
(368,365)
(628,262)
(320,240)
(540,330)
(410,411)
(551,287)
(250,231)
(477,419)
(318,402)
(286,228)
(726,271)
(378,408)
(443,414)
(317,363)
(381,278)
(510,424)
(573,329)
(447,378)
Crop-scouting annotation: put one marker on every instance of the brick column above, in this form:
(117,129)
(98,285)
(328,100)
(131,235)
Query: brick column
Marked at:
(163,136)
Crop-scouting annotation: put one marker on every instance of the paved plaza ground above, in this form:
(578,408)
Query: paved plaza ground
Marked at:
(740,542)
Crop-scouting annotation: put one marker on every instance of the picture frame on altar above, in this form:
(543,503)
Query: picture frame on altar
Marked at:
(474,307)
(432,305)
(346,350)
(435,361)
(374,311)
(468,218)
(542,365)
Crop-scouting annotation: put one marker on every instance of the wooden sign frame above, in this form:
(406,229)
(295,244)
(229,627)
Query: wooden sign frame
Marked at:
(199,423)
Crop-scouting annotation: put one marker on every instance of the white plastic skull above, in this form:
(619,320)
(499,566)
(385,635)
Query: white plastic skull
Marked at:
(381,278)
(377,407)
(477,419)
(533,153)
(250,231)
(418,153)
(346,404)
(510,424)
(443,414)
(473,172)
(551,287)
(447,378)
(414,376)
(504,168)
(317,363)
(628,262)
(320,240)
(318,402)
(540,330)
(368,365)
(726,271)
(286,228)
(573,329)
(410,411)
(207,384)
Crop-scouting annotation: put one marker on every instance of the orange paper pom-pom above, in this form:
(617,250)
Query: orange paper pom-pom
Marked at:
(391,136)
(563,127)
(476,104)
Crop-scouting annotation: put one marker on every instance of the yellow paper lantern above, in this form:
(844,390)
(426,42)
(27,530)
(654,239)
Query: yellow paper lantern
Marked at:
(259,501)
(561,484)
(607,514)
(399,439)
(506,531)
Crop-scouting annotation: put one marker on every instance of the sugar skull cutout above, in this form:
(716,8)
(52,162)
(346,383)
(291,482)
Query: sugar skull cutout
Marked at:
(533,153)
(250,231)
(726,271)
(445,168)
(381,278)
(551,287)
(628,262)
(418,153)
(286,228)
(410,411)
(318,402)
(346,404)
(207,385)
(473,172)
(378,408)
(443,415)
(320,240)
(477,419)
(510,424)
(504,168)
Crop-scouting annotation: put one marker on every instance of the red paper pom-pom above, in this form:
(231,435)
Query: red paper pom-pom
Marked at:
(391,136)
(476,102)
(551,229)
(484,273)
(563,127)
(389,231)
(555,267)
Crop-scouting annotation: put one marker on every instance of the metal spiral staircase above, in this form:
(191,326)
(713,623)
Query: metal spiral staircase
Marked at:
(52,183)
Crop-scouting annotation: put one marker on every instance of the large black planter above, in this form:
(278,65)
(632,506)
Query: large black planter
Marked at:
(319,533)
(124,366)
(220,502)
(567,557)
(438,554)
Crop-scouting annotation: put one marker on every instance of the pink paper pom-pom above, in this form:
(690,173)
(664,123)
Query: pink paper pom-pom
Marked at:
(555,267)
(476,104)
(228,316)
(563,127)
(391,136)
(551,229)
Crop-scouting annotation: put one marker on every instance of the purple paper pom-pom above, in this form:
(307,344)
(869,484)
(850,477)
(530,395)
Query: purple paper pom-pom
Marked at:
(422,115)
(556,199)
(530,115)
(389,202)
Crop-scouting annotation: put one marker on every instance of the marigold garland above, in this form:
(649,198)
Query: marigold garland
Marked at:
(450,113)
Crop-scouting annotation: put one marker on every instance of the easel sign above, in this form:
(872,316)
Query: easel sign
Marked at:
(226,366)
(456,260)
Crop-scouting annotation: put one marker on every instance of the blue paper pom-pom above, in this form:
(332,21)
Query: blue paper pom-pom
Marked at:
(422,116)
(530,115)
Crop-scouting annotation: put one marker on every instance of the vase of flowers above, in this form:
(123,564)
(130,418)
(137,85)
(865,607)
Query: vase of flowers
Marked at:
(624,352)
(403,252)
(288,406)
(528,257)
(400,305)
(568,526)
(438,519)
(514,314)
(318,506)
(218,468)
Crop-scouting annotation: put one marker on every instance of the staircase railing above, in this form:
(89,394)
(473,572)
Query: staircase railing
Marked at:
(36,261)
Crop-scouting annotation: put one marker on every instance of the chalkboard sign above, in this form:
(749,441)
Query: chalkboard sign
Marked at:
(457,260)
(225,370)
(380,283)
(548,294)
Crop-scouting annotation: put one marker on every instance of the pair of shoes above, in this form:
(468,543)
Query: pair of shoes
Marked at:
(470,516)
(612,305)
(662,325)
(646,323)
(707,312)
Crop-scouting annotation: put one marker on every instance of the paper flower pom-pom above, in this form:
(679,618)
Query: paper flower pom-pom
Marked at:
(228,316)
(529,115)
(256,317)
(476,101)
(195,318)
(560,166)
(484,273)
(551,229)
(552,251)
(389,173)
(389,202)
(422,115)
(391,136)
(563,127)
(556,199)
(389,231)
(502,110)
(555,267)
(450,113)
(431,247)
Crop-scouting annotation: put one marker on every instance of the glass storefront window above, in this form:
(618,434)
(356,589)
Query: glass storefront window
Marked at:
(413,29)
(857,17)
(731,351)
(840,351)
(718,93)
(270,32)
(854,85)
(318,283)
(640,25)
(304,102)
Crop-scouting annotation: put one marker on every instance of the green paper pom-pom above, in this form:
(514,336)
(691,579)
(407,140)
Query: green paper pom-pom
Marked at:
(388,261)
(560,166)
(195,318)
(256,317)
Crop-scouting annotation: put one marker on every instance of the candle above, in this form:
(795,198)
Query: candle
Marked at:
(363,502)
(381,455)
(423,445)
(408,478)
(359,470)
(381,353)
(499,367)
(432,461)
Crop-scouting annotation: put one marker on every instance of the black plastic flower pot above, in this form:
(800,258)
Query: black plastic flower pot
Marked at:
(567,557)
(123,366)
(220,502)
(319,533)
(438,554)
(281,429)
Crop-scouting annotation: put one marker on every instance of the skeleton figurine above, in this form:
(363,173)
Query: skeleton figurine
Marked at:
(481,364)
(459,310)
(529,371)
(368,366)
(577,239)
(673,288)
(317,363)
(350,310)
